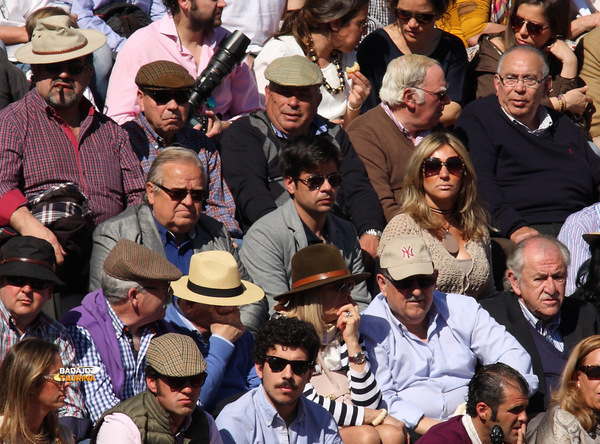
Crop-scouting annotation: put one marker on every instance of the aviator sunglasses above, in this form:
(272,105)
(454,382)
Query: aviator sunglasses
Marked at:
(179,194)
(432,166)
(533,29)
(298,367)
(591,371)
(162,97)
(20,281)
(179,383)
(421,18)
(316,181)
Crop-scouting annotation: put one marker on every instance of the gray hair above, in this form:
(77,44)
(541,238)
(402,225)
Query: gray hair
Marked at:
(516,259)
(402,73)
(171,154)
(115,290)
(530,49)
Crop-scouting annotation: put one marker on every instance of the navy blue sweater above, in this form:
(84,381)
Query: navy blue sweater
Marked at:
(525,178)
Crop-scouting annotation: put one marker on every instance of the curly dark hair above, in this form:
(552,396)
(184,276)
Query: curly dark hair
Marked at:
(307,152)
(287,332)
(489,385)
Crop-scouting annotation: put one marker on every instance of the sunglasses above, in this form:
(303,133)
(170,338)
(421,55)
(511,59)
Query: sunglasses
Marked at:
(163,97)
(298,367)
(409,282)
(316,181)
(421,18)
(533,29)
(179,194)
(432,166)
(20,281)
(344,286)
(179,383)
(591,371)
(73,68)
(440,95)
(59,382)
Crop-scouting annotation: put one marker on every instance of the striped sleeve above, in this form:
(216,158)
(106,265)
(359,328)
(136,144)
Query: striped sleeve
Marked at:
(344,414)
(364,390)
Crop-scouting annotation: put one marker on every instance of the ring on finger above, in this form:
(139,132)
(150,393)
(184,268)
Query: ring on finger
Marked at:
(348,314)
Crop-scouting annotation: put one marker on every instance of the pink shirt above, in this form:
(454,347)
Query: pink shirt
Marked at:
(237,94)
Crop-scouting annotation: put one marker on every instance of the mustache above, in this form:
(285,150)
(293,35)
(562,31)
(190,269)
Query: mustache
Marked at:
(414,298)
(287,384)
(69,82)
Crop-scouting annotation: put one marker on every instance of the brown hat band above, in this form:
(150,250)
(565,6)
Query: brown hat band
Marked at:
(30,261)
(60,52)
(217,292)
(320,277)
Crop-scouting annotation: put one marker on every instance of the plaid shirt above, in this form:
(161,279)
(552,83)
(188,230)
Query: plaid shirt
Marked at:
(99,394)
(46,328)
(39,150)
(147,145)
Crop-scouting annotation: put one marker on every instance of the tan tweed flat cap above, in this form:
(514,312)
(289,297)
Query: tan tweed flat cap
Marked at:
(294,71)
(175,355)
(163,74)
(129,261)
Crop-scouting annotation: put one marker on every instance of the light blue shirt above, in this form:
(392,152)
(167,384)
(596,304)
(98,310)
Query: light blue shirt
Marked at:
(253,419)
(430,378)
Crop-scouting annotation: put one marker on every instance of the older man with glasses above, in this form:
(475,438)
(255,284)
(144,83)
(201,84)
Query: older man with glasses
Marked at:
(164,88)
(424,345)
(534,166)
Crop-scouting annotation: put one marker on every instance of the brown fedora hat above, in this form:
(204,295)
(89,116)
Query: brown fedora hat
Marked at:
(318,265)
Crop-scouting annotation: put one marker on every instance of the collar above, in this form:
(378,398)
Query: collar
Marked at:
(166,235)
(419,135)
(141,120)
(317,126)
(168,28)
(174,312)
(9,320)
(545,330)
(120,328)
(467,423)
(542,115)
(270,413)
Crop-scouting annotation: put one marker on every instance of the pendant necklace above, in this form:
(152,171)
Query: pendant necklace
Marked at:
(449,242)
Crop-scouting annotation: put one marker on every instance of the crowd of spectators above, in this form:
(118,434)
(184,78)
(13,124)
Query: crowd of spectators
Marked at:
(370,232)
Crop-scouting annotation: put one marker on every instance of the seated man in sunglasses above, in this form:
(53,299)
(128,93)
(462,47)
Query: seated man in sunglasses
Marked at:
(166,411)
(534,166)
(538,315)
(27,281)
(413,95)
(424,345)
(285,351)
(163,91)
(310,167)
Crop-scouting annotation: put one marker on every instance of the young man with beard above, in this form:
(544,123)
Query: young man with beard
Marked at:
(284,352)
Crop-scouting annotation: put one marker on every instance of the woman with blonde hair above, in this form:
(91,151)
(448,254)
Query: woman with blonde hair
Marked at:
(573,417)
(342,381)
(441,204)
(31,393)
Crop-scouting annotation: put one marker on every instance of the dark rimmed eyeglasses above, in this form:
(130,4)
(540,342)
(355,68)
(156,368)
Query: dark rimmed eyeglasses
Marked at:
(164,96)
(422,281)
(432,166)
(511,81)
(533,29)
(440,95)
(316,181)
(179,383)
(591,371)
(179,194)
(73,68)
(298,367)
(21,281)
(420,17)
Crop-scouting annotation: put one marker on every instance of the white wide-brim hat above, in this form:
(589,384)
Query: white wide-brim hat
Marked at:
(214,279)
(54,40)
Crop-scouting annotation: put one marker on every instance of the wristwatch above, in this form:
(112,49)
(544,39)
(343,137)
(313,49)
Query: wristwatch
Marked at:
(359,358)
(374,232)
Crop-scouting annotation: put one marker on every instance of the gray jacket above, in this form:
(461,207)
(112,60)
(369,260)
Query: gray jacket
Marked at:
(137,224)
(273,240)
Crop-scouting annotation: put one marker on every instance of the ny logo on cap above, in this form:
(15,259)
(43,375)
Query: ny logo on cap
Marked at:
(407,252)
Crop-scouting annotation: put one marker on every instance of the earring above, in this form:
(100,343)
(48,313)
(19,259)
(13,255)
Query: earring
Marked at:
(578,384)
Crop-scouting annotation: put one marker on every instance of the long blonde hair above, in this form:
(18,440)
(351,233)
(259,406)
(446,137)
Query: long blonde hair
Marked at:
(568,396)
(21,373)
(307,306)
(471,218)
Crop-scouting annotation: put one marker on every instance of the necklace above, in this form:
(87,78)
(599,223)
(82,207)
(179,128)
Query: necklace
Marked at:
(438,211)
(449,242)
(335,59)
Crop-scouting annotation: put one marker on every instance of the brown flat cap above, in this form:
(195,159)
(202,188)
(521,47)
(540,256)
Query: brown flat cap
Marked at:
(294,70)
(163,74)
(175,355)
(129,261)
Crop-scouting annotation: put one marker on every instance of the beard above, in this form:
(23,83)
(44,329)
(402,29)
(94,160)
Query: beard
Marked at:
(60,98)
(200,22)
